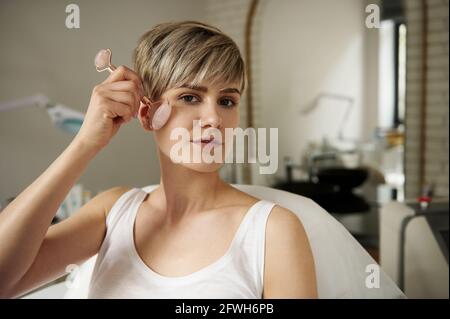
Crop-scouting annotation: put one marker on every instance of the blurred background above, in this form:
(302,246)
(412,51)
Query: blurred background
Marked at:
(357,89)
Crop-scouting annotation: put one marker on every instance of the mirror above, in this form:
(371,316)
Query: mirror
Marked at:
(332,79)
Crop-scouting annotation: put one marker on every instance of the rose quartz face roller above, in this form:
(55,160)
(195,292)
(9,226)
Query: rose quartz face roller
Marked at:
(159,115)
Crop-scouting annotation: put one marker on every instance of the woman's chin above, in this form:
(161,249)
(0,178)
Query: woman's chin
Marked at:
(203,167)
(200,164)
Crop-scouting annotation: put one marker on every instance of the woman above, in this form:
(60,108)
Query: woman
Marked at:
(194,236)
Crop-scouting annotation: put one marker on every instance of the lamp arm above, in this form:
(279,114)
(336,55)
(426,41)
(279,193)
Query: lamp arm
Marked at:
(39,100)
(345,118)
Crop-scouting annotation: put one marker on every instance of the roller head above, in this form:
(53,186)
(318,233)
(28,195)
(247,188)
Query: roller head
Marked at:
(103,60)
(161,115)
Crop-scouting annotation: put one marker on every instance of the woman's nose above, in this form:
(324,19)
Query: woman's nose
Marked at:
(210,116)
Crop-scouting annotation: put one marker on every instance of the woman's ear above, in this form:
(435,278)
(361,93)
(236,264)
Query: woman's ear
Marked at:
(144,116)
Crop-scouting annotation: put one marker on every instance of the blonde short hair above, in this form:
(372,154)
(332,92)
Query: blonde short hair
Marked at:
(175,53)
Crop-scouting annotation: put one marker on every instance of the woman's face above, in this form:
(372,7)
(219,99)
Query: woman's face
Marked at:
(199,112)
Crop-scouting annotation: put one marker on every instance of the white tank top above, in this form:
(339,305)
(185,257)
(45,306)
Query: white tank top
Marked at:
(121,273)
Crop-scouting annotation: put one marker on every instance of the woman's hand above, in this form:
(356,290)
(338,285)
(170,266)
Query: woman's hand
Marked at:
(113,102)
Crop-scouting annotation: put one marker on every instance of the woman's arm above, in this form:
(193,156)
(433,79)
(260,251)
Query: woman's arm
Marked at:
(289,264)
(69,242)
(25,222)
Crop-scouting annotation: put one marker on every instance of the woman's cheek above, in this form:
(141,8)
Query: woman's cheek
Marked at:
(164,135)
(231,118)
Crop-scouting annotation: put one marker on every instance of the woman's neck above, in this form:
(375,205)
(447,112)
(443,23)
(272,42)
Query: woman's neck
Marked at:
(185,191)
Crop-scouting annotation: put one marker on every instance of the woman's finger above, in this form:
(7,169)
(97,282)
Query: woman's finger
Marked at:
(128,98)
(123,73)
(117,109)
(124,86)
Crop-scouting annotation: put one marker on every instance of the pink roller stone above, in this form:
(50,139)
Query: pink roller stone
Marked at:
(161,115)
(103,60)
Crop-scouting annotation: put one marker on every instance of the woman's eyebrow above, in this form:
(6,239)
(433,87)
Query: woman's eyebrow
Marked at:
(195,87)
(230,90)
(205,89)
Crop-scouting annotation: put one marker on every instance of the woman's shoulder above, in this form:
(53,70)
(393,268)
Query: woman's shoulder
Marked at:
(289,257)
(110,196)
(281,220)
(280,214)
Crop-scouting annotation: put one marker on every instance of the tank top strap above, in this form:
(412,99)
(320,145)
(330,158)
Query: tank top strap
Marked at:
(260,229)
(254,240)
(123,208)
(255,221)
(246,223)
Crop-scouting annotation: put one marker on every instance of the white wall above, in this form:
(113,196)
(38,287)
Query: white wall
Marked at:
(39,54)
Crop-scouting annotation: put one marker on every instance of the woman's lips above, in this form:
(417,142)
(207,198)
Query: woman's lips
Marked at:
(206,142)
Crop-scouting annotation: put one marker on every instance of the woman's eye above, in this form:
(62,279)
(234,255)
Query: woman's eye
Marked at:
(189,98)
(192,99)
(227,103)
